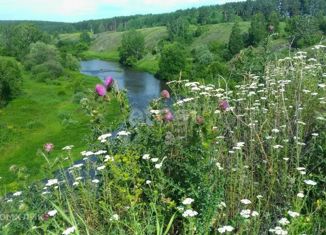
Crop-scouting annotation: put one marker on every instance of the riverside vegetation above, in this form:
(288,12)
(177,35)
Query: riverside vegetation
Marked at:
(246,160)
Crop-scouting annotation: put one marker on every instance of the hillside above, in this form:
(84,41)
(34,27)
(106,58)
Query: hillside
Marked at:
(105,45)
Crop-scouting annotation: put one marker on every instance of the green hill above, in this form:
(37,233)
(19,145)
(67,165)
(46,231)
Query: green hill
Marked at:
(105,45)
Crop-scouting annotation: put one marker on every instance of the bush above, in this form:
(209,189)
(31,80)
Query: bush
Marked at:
(48,70)
(10,79)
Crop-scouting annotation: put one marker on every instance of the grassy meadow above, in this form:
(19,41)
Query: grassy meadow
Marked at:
(45,112)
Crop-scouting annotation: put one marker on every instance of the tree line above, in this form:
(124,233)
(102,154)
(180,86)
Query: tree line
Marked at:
(214,14)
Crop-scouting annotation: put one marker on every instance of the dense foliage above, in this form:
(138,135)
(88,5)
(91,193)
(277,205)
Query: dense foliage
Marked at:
(172,61)
(10,79)
(132,47)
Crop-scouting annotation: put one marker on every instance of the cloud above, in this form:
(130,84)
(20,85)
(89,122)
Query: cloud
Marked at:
(84,9)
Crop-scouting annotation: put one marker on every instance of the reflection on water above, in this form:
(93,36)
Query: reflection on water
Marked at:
(141,87)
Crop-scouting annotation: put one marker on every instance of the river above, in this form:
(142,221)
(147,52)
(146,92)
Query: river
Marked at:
(141,87)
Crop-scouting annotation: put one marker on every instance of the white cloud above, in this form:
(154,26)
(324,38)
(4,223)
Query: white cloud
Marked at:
(78,9)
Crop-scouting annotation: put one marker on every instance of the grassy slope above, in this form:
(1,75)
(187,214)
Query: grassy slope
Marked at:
(36,118)
(105,46)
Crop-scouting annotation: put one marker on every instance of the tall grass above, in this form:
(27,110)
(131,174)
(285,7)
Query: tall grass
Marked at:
(246,161)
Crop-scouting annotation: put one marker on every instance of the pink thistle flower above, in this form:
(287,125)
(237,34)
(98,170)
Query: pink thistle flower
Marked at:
(224,105)
(100,90)
(165,94)
(48,147)
(108,82)
(168,117)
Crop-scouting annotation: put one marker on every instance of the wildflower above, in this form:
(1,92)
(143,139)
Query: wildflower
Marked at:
(103,138)
(219,166)
(115,217)
(100,90)
(300,194)
(148,182)
(259,196)
(108,158)
(52,213)
(95,181)
(146,157)
(275,130)
(108,82)
(277,146)
(75,183)
(315,134)
(168,117)
(123,133)
(245,201)
(254,213)
(154,159)
(310,182)
(224,105)
(245,213)
(293,214)
(69,147)
(286,159)
(278,230)
(284,221)
(187,201)
(48,147)
(189,213)
(221,205)
(100,168)
(52,182)
(226,228)
(165,94)
(69,230)
(16,194)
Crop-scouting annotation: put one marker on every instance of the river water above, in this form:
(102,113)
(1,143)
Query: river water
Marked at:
(141,87)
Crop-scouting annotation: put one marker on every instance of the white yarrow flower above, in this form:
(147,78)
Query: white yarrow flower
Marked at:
(293,214)
(284,221)
(226,228)
(245,201)
(187,201)
(310,182)
(69,230)
(52,213)
(189,213)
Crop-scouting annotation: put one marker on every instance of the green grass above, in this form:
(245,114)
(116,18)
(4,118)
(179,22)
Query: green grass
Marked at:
(44,113)
(218,32)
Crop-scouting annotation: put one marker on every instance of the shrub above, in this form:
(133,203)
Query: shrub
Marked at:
(10,79)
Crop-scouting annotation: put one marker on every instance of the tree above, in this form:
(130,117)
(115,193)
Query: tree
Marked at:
(179,29)
(10,79)
(85,38)
(44,61)
(236,42)
(273,22)
(132,47)
(303,31)
(257,31)
(172,61)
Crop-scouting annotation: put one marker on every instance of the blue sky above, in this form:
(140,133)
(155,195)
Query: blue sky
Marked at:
(78,10)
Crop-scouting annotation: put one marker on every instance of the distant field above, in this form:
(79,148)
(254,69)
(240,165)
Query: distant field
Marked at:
(110,41)
(45,112)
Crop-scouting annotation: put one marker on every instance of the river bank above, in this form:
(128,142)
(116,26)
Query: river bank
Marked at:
(148,64)
(45,112)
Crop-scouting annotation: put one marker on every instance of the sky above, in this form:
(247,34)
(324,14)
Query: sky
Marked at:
(78,10)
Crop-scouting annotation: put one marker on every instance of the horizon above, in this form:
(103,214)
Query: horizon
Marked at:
(73,11)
